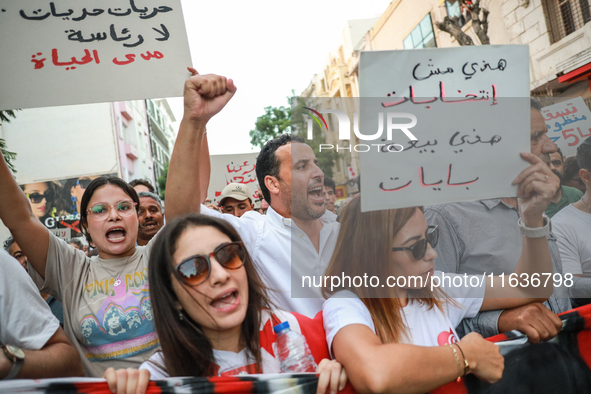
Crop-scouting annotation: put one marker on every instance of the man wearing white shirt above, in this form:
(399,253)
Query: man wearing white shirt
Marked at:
(297,236)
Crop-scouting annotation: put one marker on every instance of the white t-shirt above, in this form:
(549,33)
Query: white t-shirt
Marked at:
(241,363)
(227,364)
(25,318)
(572,228)
(426,327)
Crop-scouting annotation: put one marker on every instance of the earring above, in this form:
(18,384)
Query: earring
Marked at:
(181,318)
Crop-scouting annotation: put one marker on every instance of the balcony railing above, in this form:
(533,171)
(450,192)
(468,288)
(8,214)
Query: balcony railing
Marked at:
(566,16)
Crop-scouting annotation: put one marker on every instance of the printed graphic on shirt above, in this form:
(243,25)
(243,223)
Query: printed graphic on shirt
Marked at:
(242,370)
(446,338)
(118,320)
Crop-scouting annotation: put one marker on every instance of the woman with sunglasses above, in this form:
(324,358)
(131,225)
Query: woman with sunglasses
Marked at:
(40,198)
(212,312)
(107,312)
(366,325)
(45,200)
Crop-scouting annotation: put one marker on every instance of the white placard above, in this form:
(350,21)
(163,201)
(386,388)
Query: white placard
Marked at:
(471,106)
(74,52)
(569,124)
(226,169)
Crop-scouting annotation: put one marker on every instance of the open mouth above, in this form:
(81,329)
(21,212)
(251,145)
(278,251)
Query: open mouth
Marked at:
(315,194)
(150,224)
(226,302)
(116,234)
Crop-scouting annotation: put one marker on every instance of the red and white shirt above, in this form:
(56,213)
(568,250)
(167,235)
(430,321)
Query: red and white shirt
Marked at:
(241,363)
(425,327)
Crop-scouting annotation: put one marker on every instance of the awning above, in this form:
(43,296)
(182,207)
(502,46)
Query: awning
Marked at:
(576,75)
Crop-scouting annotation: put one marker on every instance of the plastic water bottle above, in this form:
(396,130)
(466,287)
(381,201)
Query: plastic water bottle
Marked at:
(293,351)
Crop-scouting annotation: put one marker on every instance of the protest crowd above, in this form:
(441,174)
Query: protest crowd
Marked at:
(188,288)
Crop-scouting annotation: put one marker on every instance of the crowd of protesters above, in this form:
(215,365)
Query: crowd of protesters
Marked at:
(194,289)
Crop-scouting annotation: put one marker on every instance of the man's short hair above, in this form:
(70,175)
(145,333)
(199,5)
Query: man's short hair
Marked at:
(561,155)
(584,154)
(8,243)
(267,162)
(571,168)
(535,104)
(143,182)
(154,197)
(329,182)
(76,242)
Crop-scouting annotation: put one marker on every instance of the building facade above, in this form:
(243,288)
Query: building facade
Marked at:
(333,85)
(130,139)
(559,36)
(161,132)
(557,32)
(133,139)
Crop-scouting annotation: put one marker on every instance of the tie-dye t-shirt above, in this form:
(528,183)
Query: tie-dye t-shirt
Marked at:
(107,316)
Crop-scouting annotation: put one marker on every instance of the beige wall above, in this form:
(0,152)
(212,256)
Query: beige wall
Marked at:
(510,22)
(522,22)
(402,16)
(335,81)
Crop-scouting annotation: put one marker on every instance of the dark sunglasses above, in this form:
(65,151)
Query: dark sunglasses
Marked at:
(419,249)
(83,183)
(196,269)
(36,198)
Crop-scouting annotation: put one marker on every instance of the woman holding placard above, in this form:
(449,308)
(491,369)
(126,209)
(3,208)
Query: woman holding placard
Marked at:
(366,326)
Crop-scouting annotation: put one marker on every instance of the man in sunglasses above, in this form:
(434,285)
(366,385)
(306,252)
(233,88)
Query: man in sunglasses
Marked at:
(291,182)
(77,189)
(484,236)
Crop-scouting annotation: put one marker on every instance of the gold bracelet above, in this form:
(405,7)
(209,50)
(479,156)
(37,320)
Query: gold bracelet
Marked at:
(466,365)
(457,361)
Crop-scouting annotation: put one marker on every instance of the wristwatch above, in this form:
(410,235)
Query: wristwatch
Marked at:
(16,356)
(535,232)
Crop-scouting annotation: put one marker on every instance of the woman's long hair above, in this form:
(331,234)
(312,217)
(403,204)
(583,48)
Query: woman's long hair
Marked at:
(56,206)
(364,248)
(186,349)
